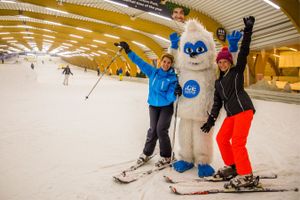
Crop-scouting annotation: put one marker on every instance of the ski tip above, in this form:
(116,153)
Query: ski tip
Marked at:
(173,189)
(168,179)
(296,189)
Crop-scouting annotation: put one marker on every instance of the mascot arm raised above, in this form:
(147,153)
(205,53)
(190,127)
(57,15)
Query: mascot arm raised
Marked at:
(233,40)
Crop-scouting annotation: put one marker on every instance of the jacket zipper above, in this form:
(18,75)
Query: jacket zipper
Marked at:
(237,93)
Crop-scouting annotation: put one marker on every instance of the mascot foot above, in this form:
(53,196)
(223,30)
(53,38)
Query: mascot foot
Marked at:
(205,170)
(182,166)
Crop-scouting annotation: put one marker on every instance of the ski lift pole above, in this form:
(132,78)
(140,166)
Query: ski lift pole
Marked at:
(118,53)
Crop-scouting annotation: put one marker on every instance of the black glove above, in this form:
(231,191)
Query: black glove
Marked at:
(178,90)
(210,123)
(125,46)
(249,22)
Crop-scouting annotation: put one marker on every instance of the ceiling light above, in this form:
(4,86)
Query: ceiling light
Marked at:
(3,45)
(84,48)
(7,38)
(292,49)
(83,29)
(96,54)
(67,44)
(272,4)
(75,36)
(162,17)
(55,23)
(111,36)
(73,41)
(162,38)
(59,11)
(127,28)
(119,4)
(48,36)
(137,43)
(12,41)
(48,40)
(4,33)
(276,55)
(30,33)
(102,52)
(27,37)
(23,17)
(46,30)
(100,41)
(7,1)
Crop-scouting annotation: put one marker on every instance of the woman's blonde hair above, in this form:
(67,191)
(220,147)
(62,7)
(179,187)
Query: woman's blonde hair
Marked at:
(167,55)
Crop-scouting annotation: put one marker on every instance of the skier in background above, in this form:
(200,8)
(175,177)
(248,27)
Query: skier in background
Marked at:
(32,66)
(163,89)
(232,137)
(120,72)
(67,72)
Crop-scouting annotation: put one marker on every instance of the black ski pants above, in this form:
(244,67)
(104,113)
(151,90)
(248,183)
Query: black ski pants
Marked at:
(160,120)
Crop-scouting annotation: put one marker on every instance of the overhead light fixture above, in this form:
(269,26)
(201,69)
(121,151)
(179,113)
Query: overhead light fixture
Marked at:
(7,1)
(27,37)
(102,52)
(75,36)
(7,38)
(55,23)
(26,32)
(48,36)
(162,38)
(67,44)
(73,41)
(162,17)
(24,26)
(48,40)
(96,54)
(111,36)
(23,17)
(292,49)
(3,45)
(119,4)
(140,44)
(4,33)
(84,48)
(55,10)
(83,29)
(46,30)
(12,41)
(127,28)
(100,41)
(272,4)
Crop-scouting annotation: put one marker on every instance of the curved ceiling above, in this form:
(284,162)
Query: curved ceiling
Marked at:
(31,24)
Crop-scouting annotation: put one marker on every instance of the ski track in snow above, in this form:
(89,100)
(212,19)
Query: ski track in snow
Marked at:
(55,145)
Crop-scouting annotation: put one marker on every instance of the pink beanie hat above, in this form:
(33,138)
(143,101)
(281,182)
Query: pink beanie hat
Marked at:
(224,54)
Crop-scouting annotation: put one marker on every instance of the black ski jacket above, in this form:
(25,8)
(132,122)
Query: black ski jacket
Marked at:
(229,88)
(67,70)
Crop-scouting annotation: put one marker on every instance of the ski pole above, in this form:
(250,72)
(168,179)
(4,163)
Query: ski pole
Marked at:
(174,130)
(112,60)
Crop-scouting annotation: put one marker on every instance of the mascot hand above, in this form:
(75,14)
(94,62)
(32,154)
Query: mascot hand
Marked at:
(125,46)
(233,41)
(178,90)
(249,22)
(174,38)
(210,123)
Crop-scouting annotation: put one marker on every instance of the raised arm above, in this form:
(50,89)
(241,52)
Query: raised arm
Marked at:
(245,46)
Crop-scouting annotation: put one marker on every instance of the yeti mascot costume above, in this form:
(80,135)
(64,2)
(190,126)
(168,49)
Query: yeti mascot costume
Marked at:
(197,74)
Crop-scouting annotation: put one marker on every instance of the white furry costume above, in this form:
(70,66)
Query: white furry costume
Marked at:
(195,146)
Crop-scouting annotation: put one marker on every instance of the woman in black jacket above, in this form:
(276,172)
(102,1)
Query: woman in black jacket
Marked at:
(229,91)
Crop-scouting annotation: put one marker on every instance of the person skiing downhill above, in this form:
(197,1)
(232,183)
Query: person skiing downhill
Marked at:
(229,91)
(163,89)
(67,72)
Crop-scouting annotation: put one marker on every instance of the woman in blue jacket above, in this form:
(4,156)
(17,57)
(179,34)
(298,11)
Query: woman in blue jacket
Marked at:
(163,89)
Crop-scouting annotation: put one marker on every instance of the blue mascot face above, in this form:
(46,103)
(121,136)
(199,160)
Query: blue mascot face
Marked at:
(191,89)
(196,49)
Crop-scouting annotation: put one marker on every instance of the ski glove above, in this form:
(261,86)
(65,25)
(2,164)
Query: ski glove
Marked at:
(174,38)
(249,22)
(233,41)
(125,46)
(210,123)
(178,90)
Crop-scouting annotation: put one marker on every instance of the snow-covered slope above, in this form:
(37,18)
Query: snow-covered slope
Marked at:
(55,145)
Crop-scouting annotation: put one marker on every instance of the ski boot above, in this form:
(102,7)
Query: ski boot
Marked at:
(242,181)
(226,173)
(163,161)
(142,159)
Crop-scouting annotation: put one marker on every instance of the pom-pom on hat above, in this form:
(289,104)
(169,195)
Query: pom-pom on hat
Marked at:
(224,54)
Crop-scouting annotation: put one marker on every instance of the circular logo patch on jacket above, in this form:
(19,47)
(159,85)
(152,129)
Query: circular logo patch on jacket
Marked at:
(191,89)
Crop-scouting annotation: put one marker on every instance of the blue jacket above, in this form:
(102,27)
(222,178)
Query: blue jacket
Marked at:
(161,83)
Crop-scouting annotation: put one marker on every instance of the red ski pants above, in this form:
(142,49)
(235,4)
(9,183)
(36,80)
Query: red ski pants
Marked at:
(232,139)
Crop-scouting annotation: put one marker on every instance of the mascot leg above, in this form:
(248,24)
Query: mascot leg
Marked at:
(185,153)
(203,150)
